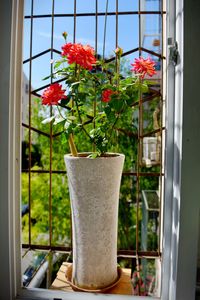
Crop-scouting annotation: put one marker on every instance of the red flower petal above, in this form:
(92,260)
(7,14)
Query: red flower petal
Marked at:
(79,54)
(144,66)
(106,95)
(53,94)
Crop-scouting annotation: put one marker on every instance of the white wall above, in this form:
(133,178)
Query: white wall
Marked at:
(5,26)
(190,168)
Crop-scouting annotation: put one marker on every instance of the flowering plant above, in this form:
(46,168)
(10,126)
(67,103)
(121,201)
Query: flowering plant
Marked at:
(95,95)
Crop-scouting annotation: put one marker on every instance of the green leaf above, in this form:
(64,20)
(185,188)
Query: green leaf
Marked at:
(47,77)
(94,155)
(144,88)
(58,120)
(107,110)
(67,124)
(71,118)
(48,120)
(65,101)
(117,104)
(59,62)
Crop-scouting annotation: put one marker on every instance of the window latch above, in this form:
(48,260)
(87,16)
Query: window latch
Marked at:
(173,52)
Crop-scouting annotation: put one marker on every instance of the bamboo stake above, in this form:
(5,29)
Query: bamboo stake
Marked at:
(72,145)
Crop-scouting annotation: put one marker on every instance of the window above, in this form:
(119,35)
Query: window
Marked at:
(7,222)
(138,29)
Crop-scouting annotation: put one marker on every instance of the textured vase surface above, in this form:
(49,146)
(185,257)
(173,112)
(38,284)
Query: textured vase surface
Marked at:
(94,194)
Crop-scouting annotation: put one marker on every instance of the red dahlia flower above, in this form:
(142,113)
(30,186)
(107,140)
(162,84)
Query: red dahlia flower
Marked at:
(144,66)
(79,54)
(53,94)
(106,95)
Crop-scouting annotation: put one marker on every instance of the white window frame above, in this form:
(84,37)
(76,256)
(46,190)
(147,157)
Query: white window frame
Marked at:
(178,273)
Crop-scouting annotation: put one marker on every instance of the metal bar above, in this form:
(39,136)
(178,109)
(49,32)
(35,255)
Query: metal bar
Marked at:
(152,132)
(96,50)
(99,14)
(135,50)
(40,54)
(124,54)
(161,140)
(146,99)
(152,174)
(29,127)
(126,173)
(36,56)
(96,26)
(156,93)
(74,40)
(138,149)
(36,130)
(117,23)
(120,253)
(105,27)
(45,86)
(74,15)
(46,247)
(51,138)
(153,53)
(44,171)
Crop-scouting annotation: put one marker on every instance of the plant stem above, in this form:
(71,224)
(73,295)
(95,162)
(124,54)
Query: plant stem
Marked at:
(72,145)
(76,103)
(60,112)
(81,121)
(117,118)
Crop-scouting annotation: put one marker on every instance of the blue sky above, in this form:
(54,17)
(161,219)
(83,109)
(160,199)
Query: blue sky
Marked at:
(85,30)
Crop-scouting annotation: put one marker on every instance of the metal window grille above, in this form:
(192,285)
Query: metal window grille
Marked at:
(138,27)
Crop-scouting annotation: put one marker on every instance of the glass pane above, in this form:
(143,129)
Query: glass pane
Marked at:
(31,262)
(125,263)
(102,6)
(126,135)
(151,113)
(127,214)
(151,27)
(61,25)
(38,73)
(146,281)
(24,204)
(84,36)
(60,148)
(64,6)
(61,220)
(27,7)
(110,40)
(40,151)
(26,39)
(41,35)
(128,5)
(149,183)
(40,209)
(86,6)
(150,220)
(126,62)
(42,7)
(151,5)
(39,112)
(25,99)
(127,40)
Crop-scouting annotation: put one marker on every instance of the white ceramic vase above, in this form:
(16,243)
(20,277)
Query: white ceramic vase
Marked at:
(94,186)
